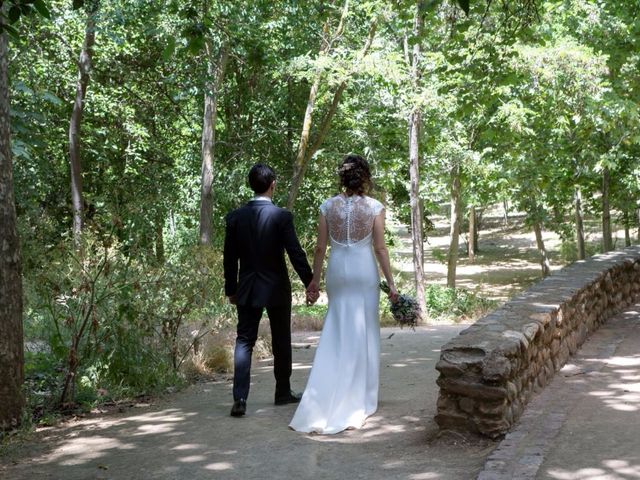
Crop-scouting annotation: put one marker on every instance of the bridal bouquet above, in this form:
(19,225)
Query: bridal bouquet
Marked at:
(405,310)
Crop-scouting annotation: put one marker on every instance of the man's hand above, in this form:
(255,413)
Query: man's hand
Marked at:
(232,299)
(313,292)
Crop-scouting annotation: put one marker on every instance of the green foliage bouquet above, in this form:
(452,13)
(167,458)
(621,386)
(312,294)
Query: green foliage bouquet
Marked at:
(405,310)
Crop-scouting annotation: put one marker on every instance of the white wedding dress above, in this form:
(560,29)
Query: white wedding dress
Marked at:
(342,390)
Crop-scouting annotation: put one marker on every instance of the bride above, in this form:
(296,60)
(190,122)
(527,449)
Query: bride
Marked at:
(342,390)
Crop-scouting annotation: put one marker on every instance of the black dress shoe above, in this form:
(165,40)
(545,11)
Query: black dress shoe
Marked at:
(289,397)
(239,408)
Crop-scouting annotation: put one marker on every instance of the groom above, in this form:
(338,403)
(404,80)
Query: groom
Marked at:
(257,236)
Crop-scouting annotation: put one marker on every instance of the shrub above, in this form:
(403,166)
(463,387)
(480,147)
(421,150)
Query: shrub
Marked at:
(455,303)
(104,322)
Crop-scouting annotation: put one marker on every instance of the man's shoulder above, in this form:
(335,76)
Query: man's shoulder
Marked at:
(276,209)
(237,212)
(282,214)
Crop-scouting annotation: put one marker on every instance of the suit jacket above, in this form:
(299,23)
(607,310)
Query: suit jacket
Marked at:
(257,236)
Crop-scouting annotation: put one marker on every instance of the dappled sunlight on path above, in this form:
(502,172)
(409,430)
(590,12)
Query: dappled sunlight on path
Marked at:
(507,263)
(191,435)
(582,426)
(585,424)
(606,401)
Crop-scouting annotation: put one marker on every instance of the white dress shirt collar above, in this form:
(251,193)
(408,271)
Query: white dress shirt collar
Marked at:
(263,197)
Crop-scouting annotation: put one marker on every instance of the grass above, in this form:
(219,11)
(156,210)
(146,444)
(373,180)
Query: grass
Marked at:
(443,304)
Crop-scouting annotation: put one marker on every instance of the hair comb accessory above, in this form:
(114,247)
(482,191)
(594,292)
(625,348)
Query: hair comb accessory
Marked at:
(346,166)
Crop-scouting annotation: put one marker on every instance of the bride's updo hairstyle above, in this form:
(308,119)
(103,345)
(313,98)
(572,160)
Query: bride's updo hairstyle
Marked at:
(355,175)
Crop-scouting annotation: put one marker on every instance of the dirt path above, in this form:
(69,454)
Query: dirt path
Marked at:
(507,262)
(190,435)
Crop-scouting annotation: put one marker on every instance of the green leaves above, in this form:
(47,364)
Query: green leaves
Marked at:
(42,8)
(464,5)
(169,50)
(19,8)
(14,13)
(196,43)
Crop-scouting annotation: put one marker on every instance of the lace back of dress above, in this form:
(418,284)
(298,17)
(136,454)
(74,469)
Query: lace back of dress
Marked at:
(350,219)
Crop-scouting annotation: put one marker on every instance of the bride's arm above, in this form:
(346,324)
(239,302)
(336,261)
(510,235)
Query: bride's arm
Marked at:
(320,250)
(382,254)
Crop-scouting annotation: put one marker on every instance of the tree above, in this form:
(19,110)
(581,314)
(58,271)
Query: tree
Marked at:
(216,66)
(11,330)
(454,231)
(414,162)
(11,348)
(300,160)
(75,159)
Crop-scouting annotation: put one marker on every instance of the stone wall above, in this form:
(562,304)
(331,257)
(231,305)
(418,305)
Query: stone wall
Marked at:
(489,372)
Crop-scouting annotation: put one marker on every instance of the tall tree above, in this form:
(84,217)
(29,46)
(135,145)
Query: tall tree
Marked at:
(454,231)
(75,159)
(607,240)
(299,164)
(216,65)
(325,123)
(414,162)
(544,256)
(473,234)
(579,224)
(11,342)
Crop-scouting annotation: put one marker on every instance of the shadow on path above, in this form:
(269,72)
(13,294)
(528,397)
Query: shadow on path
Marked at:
(191,436)
(585,424)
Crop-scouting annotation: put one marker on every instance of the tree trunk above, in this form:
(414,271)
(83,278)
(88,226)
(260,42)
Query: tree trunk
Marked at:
(337,96)
(627,228)
(11,337)
(454,231)
(472,234)
(638,217)
(84,72)
(416,210)
(414,174)
(476,236)
(306,153)
(579,224)
(505,212)
(215,74)
(298,164)
(607,241)
(159,239)
(544,259)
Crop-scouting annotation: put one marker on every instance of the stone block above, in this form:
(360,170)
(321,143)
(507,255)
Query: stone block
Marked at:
(512,391)
(467,404)
(496,408)
(456,422)
(450,369)
(531,331)
(496,368)
(472,389)
(493,428)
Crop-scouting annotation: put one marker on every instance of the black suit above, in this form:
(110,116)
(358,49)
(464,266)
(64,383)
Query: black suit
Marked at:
(257,236)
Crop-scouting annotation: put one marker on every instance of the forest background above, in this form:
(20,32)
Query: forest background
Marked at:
(128,126)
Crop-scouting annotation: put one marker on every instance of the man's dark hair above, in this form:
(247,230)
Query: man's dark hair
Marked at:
(261,177)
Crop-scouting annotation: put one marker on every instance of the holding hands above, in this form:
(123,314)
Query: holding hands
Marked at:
(313,292)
